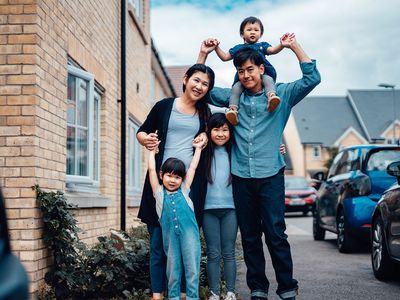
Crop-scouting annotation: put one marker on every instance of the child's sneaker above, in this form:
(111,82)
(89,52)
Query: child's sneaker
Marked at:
(273,102)
(232,117)
(230,296)
(213,296)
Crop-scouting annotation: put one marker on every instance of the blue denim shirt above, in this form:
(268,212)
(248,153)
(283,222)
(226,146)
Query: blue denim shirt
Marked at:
(255,152)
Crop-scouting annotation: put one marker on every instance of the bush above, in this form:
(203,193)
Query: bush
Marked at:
(102,271)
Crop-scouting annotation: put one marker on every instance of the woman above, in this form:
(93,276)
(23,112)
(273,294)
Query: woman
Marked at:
(171,125)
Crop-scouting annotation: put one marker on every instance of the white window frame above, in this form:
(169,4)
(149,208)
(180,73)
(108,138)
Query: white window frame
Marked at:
(138,8)
(90,179)
(135,163)
(316,148)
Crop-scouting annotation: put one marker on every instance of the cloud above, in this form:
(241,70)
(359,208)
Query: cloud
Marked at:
(355,42)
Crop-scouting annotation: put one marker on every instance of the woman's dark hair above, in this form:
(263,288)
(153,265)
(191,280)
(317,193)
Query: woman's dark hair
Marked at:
(201,105)
(174,166)
(251,20)
(245,54)
(216,121)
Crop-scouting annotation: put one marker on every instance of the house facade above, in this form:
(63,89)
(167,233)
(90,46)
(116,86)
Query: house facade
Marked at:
(60,91)
(320,124)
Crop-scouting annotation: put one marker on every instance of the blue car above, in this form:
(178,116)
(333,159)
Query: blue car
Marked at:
(347,198)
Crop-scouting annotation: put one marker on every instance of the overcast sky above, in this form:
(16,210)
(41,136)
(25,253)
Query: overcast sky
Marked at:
(355,42)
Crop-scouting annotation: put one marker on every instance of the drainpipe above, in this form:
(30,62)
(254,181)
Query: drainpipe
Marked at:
(123,115)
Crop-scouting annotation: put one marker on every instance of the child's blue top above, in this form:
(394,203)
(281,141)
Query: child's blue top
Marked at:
(219,193)
(262,49)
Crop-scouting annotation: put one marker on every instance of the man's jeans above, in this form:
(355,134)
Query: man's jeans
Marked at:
(260,207)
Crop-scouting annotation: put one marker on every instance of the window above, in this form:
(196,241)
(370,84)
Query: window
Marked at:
(137,8)
(152,86)
(135,160)
(334,166)
(83,128)
(316,152)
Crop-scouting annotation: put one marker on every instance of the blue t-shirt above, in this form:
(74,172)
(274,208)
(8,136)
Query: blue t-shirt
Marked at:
(262,49)
(219,193)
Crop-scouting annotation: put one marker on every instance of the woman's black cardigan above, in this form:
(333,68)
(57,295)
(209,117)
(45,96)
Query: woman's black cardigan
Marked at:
(158,119)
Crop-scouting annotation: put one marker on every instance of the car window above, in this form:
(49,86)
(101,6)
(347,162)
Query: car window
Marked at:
(378,161)
(343,165)
(293,183)
(334,165)
(349,161)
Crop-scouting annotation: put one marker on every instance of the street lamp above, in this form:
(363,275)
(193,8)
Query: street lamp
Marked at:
(391,86)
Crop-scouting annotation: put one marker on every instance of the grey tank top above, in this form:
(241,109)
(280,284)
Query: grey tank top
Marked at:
(182,129)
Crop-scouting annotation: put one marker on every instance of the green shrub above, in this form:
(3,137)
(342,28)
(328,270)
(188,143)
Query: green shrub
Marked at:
(102,271)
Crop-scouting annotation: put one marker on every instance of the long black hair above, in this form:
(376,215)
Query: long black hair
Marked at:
(201,105)
(217,120)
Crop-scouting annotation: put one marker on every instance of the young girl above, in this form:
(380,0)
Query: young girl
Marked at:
(219,218)
(180,232)
(251,30)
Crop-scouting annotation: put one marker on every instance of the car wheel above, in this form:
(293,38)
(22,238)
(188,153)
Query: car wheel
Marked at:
(381,263)
(305,212)
(345,242)
(318,231)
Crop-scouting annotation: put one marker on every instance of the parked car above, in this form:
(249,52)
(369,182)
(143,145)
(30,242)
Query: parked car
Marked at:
(13,278)
(299,195)
(346,200)
(385,230)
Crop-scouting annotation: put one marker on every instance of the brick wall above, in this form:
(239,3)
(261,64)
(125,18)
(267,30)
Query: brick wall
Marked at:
(36,39)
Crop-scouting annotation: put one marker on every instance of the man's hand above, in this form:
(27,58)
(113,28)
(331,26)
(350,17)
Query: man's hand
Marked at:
(288,39)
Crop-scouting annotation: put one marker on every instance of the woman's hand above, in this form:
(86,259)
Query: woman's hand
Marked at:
(150,141)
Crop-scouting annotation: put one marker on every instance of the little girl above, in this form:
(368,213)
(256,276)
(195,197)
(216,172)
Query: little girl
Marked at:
(180,231)
(251,30)
(219,218)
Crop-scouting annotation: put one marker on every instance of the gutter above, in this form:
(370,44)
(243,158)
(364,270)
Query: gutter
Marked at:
(123,117)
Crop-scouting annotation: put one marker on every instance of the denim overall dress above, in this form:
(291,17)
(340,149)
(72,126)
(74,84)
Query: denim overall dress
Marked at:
(181,241)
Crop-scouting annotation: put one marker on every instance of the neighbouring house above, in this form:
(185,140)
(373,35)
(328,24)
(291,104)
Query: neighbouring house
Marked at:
(60,114)
(176,74)
(320,124)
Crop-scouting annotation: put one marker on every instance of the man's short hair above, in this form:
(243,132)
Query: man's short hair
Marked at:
(247,54)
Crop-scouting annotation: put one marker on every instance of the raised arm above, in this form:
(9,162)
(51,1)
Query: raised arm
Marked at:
(297,90)
(291,43)
(199,145)
(206,47)
(278,48)
(153,176)
(224,56)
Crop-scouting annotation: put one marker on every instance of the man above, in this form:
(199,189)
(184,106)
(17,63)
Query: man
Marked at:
(258,167)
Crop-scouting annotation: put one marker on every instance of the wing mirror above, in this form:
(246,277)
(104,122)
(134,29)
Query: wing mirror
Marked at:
(394,170)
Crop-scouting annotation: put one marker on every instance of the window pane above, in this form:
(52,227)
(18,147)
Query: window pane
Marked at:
(82,152)
(70,150)
(82,104)
(96,137)
(131,156)
(71,99)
